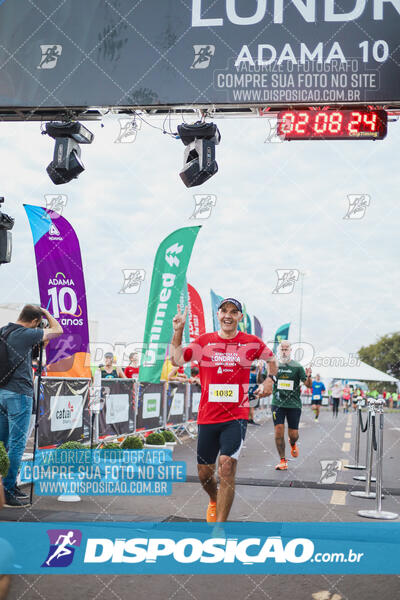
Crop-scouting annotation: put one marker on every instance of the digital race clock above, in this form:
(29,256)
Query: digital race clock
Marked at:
(347,124)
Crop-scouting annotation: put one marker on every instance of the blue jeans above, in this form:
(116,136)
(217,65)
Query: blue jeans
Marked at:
(15,414)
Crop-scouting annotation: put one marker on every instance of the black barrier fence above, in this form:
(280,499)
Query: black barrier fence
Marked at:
(176,400)
(118,414)
(193,402)
(63,412)
(150,407)
(126,407)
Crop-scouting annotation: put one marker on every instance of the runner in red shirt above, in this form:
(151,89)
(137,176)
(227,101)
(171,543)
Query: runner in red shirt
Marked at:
(132,370)
(224,358)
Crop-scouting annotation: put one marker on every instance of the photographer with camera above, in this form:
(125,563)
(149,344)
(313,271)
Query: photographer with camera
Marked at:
(16,388)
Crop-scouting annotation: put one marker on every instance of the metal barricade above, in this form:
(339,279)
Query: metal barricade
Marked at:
(369,454)
(359,429)
(377,445)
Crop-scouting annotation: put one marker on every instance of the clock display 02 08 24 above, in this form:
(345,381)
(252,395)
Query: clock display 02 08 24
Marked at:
(346,124)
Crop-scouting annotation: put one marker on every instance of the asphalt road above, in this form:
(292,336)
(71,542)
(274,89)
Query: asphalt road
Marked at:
(262,494)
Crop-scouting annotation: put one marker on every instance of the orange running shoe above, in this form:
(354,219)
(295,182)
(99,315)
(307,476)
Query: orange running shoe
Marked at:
(282,466)
(294,451)
(211,512)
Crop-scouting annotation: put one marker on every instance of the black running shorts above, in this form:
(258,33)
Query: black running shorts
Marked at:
(316,402)
(292,416)
(224,438)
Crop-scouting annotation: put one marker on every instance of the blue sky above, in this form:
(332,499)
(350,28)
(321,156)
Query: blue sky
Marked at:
(279,206)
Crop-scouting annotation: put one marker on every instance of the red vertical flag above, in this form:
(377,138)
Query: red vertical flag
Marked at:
(196,314)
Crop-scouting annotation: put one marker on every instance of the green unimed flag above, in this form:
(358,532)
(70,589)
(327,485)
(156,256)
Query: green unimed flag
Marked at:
(169,276)
(244,323)
(281,334)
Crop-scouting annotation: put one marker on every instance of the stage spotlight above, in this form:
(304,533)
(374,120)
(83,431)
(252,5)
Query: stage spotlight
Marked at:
(6,224)
(66,163)
(199,162)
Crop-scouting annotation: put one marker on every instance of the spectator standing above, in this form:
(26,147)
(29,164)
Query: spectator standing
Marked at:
(16,394)
(109,370)
(337,390)
(132,370)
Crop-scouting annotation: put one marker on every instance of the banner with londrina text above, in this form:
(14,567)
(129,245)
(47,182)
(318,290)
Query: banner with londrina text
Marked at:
(169,277)
(62,291)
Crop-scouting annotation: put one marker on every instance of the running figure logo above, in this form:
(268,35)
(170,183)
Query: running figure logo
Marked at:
(358,204)
(128,129)
(132,280)
(63,543)
(202,56)
(56,203)
(203,206)
(329,470)
(50,56)
(273,137)
(286,281)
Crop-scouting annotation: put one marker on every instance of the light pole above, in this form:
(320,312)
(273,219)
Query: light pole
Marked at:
(302,275)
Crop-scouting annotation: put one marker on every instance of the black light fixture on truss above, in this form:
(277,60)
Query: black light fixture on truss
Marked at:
(66,163)
(6,224)
(199,162)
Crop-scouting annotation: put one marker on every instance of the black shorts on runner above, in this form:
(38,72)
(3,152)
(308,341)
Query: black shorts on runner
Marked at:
(224,438)
(292,416)
(317,402)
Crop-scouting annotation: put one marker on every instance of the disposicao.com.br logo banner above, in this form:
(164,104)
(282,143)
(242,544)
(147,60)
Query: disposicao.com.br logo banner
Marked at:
(122,548)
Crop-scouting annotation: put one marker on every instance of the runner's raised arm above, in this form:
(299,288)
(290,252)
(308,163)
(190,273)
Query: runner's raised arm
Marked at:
(178,323)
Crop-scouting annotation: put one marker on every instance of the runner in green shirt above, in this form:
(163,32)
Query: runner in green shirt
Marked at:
(286,402)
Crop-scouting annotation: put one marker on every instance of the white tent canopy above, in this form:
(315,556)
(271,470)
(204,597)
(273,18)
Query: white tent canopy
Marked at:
(336,364)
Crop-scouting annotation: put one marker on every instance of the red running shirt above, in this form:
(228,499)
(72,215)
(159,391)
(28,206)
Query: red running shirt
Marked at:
(224,374)
(131,371)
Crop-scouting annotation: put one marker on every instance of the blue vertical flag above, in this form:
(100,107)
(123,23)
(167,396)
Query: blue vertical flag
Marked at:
(215,302)
(258,330)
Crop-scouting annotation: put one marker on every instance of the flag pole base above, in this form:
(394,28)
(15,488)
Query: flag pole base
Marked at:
(69,498)
(378,514)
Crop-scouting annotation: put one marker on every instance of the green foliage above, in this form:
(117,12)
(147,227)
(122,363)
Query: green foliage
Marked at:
(71,446)
(111,446)
(4,461)
(168,435)
(132,442)
(383,355)
(155,439)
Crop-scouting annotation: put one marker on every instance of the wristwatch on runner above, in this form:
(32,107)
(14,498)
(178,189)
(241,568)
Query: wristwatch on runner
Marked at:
(274,379)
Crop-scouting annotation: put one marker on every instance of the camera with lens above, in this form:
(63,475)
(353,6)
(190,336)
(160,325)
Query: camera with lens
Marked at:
(6,224)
